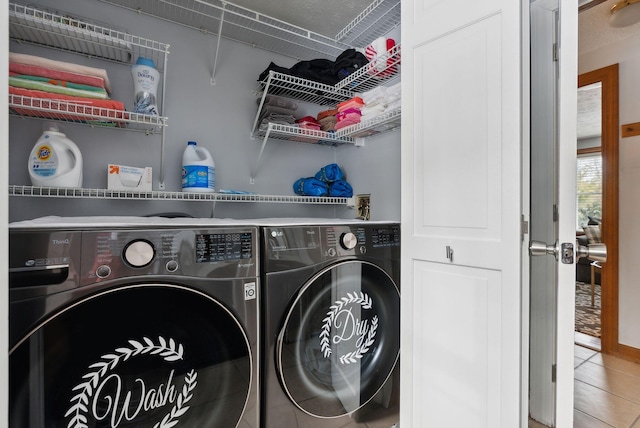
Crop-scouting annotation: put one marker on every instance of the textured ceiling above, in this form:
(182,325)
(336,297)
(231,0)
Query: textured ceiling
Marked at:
(594,30)
(326,17)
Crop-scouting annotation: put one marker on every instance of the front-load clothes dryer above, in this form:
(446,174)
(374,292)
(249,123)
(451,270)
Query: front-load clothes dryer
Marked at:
(133,327)
(331,325)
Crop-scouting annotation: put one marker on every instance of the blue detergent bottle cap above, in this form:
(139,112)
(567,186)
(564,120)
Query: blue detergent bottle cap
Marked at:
(192,143)
(145,61)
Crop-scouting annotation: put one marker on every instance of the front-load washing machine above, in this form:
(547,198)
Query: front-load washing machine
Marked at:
(331,325)
(133,326)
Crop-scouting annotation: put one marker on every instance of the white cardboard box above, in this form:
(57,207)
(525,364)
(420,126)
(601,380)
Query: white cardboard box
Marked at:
(121,177)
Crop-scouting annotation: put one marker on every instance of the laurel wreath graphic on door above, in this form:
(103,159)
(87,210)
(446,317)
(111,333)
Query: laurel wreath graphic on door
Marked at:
(89,390)
(340,318)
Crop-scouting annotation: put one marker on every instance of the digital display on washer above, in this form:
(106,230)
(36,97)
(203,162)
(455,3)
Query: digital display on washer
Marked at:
(385,236)
(220,247)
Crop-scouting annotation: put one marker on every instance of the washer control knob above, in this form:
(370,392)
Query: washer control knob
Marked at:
(103,271)
(172,266)
(348,241)
(139,253)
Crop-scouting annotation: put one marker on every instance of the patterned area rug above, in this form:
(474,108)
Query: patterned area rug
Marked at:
(587,318)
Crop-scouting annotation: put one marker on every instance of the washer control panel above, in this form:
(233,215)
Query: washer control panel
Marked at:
(225,252)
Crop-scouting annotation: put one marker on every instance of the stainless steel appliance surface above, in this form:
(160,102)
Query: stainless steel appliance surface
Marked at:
(144,325)
(331,325)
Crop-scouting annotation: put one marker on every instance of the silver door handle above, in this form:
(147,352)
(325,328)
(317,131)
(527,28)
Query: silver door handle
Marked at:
(537,248)
(596,252)
(563,251)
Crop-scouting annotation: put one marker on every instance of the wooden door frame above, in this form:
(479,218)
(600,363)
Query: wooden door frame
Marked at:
(608,76)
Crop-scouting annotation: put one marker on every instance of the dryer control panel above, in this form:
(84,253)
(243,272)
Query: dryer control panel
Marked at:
(314,244)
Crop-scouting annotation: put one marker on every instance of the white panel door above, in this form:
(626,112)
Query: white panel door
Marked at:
(461,191)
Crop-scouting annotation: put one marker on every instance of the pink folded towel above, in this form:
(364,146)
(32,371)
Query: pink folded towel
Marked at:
(60,66)
(80,105)
(34,70)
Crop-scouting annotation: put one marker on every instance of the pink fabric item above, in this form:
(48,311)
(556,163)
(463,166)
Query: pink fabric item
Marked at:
(346,122)
(81,105)
(348,114)
(355,102)
(61,66)
(34,70)
(381,68)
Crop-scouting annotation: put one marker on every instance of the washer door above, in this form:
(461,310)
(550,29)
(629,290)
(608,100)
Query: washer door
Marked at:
(137,356)
(340,339)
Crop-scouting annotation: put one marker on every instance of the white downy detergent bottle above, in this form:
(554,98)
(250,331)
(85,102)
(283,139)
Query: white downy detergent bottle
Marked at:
(55,161)
(198,169)
(145,82)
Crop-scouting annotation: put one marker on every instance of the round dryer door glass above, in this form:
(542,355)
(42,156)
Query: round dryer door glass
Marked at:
(340,340)
(137,356)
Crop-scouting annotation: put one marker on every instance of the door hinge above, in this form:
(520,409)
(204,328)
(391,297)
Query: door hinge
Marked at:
(553,373)
(555,52)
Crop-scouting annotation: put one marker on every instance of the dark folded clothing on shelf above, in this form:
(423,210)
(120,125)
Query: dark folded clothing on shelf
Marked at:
(322,70)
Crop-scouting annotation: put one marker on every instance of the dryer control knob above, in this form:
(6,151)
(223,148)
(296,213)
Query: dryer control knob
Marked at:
(139,253)
(348,241)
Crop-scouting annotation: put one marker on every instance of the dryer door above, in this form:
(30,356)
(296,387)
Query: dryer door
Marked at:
(137,356)
(340,339)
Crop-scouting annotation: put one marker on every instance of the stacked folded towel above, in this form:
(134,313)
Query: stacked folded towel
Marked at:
(329,180)
(327,120)
(308,122)
(278,110)
(380,100)
(37,77)
(349,112)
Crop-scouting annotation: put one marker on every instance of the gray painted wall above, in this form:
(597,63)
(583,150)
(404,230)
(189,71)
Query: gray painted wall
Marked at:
(217,117)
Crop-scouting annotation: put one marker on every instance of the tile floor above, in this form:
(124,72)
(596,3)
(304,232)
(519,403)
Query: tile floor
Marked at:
(607,391)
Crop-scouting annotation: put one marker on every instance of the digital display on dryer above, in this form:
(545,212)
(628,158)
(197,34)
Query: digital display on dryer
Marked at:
(220,247)
(385,237)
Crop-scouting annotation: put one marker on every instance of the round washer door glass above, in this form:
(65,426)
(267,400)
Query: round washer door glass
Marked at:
(137,356)
(340,339)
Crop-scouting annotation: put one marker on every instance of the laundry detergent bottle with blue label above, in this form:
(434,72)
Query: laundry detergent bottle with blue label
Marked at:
(55,161)
(198,169)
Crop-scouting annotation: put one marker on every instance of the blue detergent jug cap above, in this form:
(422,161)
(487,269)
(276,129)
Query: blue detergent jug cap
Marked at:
(145,61)
(192,143)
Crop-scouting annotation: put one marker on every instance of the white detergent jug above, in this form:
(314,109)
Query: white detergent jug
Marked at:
(198,169)
(55,161)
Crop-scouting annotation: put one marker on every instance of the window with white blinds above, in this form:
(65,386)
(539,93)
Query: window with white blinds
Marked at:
(589,188)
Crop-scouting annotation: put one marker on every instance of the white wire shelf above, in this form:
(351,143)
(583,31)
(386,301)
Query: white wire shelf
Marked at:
(377,20)
(62,31)
(285,85)
(384,122)
(64,192)
(45,108)
(240,24)
(301,135)
(382,70)
(363,80)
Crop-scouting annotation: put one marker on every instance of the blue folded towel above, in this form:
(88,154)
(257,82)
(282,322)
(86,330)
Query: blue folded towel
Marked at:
(340,189)
(330,173)
(310,187)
